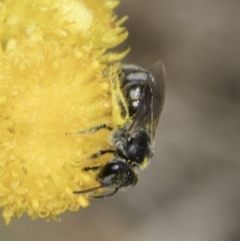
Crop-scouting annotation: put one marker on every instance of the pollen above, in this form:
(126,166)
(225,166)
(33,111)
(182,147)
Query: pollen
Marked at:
(53,84)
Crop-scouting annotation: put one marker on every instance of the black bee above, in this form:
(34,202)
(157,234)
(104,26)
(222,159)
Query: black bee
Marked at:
(133,141)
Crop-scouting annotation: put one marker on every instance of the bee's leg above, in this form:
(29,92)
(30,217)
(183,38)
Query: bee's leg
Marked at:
(95,129)
(100,153)
(92,129)
(96,155)
(93,168)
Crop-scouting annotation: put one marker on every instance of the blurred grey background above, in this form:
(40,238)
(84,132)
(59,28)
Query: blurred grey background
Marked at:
(190,191)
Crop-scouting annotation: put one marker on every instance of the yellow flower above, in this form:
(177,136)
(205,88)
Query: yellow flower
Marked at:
(54,79)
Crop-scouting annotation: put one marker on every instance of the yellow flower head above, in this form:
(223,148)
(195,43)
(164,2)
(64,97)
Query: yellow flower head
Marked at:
(54,80)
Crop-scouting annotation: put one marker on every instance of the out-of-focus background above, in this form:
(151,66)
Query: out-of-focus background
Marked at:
(190,191)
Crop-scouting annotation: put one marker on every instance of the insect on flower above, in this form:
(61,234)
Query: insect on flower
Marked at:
(138,97)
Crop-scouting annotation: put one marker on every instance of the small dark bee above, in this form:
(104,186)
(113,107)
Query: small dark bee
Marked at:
(140,101)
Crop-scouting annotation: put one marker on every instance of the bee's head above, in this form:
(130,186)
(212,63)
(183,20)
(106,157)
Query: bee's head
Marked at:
(117,174)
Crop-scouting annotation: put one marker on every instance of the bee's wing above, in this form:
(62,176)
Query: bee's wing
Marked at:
(159,88)
(151,104)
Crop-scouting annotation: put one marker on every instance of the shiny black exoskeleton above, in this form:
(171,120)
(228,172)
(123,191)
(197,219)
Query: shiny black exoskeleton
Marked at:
(132,89)
(134,148)
(132,142)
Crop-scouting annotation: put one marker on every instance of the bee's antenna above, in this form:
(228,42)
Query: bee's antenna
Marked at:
(96,196)
(87,190)
(105,195)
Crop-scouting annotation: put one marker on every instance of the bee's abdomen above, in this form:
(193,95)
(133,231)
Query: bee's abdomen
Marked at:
(133,81)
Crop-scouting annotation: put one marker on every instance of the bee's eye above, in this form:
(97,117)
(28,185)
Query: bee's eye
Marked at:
(109,169)
(115,167)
